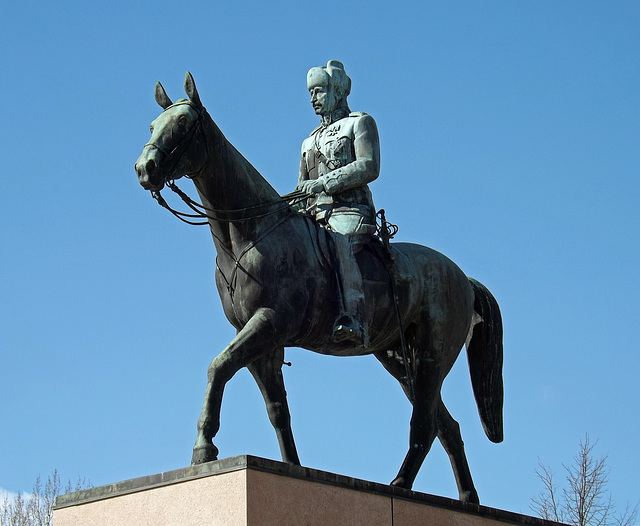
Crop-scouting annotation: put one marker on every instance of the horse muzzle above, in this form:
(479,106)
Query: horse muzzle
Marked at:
(148,169)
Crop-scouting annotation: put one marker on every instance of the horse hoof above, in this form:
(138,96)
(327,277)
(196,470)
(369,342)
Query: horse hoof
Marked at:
(400,482)
(204,454)
(470,497)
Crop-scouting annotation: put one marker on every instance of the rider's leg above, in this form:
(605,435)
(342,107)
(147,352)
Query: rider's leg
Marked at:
(350,325)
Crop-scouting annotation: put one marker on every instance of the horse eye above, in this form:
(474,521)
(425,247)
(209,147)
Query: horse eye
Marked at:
(151,128)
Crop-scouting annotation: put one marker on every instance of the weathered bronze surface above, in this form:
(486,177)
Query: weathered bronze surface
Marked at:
(338,160)
(279,289)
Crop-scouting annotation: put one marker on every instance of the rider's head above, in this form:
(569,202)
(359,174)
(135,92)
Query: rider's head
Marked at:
(329,87)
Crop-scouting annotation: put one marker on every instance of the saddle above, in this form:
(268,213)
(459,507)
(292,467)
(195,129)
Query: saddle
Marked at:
(373,258)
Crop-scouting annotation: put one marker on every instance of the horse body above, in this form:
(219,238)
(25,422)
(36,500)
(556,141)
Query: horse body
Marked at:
(278,290)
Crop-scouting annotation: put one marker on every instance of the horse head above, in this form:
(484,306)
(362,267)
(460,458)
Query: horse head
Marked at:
(177,146)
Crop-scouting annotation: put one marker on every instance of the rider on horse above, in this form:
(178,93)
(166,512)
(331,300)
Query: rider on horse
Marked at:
(339,159)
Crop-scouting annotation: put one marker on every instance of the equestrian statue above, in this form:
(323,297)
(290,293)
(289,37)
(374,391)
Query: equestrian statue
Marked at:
(311,269)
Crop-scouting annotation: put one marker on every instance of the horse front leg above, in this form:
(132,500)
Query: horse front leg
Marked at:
(267,372)
(256,338)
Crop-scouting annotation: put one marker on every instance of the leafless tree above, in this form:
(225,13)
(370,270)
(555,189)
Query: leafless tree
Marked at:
(36,509)
(585,500)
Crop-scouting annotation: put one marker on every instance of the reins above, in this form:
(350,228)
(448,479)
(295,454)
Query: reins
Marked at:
(203,212)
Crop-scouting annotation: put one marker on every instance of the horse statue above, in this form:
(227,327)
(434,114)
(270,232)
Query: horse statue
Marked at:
(279,289)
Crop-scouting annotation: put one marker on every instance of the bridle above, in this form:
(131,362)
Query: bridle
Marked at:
(183,143)
(235,215)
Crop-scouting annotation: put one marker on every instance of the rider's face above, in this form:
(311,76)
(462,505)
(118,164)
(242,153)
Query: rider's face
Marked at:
(323,96)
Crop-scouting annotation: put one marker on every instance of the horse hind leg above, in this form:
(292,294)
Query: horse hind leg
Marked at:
(267,372)
(451,440)
(448,432)
(424,425)
(421,436)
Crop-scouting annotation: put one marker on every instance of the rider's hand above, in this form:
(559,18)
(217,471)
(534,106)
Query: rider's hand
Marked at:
(311,186)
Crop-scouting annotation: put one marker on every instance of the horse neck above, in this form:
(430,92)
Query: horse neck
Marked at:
(229,182)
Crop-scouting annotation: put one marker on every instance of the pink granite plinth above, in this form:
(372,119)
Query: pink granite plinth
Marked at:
(253,491)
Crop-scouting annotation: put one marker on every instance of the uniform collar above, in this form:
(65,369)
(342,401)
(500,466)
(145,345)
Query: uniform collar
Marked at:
(326,120)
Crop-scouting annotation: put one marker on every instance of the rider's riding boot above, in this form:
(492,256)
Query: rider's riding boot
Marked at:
(348,327)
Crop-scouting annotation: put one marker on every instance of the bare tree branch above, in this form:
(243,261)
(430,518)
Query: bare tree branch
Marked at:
(545,503)
(36,509)
(585,500)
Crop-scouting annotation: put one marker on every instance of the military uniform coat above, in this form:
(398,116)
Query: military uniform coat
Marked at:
(345,156)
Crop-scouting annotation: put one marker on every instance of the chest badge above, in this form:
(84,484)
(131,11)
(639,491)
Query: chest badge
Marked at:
(333,131)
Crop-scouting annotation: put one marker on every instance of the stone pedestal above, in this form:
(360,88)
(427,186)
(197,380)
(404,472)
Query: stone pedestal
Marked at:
(253,491)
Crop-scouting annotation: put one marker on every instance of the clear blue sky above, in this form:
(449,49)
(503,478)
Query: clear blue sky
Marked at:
(510,142)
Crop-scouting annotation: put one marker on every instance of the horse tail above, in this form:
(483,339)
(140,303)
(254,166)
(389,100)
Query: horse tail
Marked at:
(484,354)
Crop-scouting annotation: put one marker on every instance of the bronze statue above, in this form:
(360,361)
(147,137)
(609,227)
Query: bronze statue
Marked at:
(278,286)
(339,159)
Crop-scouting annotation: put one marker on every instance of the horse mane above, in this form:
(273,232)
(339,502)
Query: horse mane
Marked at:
(241,178)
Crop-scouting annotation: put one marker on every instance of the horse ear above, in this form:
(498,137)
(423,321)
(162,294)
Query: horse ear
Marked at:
(161,96)
(190,89)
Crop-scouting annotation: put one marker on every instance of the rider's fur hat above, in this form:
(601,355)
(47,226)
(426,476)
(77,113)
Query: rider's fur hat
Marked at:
(334,70)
